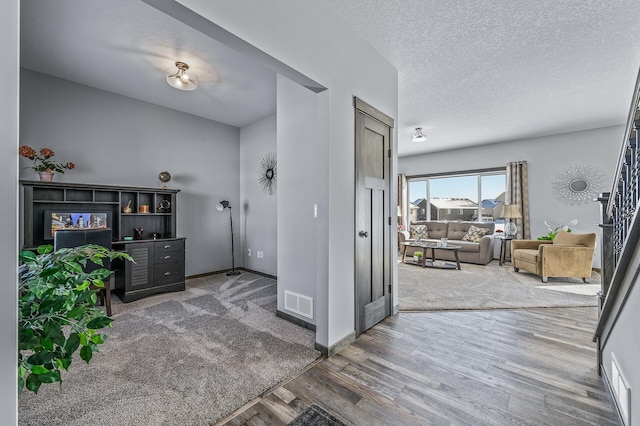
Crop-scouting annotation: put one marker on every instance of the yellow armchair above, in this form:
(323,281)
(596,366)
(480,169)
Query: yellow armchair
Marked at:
(568,255)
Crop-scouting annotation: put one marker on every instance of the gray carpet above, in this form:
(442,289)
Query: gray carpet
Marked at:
(186,358)
(488,287)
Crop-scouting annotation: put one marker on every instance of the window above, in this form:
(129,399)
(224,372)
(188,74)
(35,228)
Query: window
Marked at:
(473,196)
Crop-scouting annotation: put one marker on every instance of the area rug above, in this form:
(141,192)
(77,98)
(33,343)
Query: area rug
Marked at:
(316,416)
(488,287)
(186,358)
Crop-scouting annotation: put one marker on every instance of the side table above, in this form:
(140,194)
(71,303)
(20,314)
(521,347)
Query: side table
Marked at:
(504,240)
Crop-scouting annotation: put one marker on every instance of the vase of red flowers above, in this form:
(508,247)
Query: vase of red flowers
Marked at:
(42,162)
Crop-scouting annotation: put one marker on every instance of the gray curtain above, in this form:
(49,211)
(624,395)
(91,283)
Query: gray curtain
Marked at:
(402,200)
(518,193)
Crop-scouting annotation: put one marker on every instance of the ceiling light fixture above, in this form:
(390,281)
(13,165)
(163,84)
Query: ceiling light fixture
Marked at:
(180,78)
(418,136)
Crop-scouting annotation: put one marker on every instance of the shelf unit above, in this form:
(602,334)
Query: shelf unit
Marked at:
(150,274)
(40,197)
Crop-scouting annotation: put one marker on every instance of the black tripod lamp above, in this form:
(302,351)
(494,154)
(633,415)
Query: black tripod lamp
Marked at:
(227,205)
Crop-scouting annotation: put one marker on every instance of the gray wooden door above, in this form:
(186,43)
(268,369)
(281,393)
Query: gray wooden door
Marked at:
(373,232)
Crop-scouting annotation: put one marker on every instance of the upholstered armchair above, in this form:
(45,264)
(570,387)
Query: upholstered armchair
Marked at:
(568,255)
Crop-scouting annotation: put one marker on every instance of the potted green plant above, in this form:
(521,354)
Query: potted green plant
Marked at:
(43,162)
(417,256)
(551,235)
(56,310)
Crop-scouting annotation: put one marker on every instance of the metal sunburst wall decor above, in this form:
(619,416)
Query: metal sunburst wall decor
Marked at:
(267,173)
(578,185)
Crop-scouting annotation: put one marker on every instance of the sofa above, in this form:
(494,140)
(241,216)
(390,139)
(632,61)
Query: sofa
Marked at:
(568,255)
(480,252)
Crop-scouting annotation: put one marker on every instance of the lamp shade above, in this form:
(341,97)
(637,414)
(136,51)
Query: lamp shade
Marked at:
(511,211)
(223,205)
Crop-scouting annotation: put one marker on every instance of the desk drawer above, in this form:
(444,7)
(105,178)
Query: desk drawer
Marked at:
(168,257)
(166,273)
(171,245)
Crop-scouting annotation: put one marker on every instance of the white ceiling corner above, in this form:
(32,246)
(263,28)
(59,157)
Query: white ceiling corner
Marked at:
(469,72)
(125,46)
(484,72)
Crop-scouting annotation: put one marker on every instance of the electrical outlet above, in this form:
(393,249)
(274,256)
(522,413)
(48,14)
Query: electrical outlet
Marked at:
(260,255)
(249,252)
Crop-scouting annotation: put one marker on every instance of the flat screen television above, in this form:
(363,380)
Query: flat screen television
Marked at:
(55,220)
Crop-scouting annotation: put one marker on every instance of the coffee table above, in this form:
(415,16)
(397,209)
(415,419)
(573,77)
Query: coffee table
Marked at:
(433,247)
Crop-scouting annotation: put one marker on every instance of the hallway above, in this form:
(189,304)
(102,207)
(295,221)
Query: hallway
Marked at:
(494,367)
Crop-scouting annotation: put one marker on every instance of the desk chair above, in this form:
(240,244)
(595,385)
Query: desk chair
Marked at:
(102,237)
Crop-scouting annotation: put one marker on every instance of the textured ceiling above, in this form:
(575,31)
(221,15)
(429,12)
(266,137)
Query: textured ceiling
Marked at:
(125,46)
(478,72)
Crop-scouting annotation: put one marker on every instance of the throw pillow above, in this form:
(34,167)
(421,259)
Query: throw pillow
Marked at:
(416,231)
(475,234)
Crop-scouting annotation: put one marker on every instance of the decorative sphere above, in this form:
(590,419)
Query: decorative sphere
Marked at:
(164,177)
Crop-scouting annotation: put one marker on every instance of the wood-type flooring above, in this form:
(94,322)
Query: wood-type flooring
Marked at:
(496,367)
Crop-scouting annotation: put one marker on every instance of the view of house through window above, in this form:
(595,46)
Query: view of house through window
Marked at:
(477,197)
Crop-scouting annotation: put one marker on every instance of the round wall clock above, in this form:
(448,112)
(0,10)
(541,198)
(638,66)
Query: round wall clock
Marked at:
(267,173)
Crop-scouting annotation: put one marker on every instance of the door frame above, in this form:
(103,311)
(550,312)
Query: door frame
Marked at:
(370,111)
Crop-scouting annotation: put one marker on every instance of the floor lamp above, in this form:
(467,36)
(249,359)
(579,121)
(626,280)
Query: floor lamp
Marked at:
(227,205)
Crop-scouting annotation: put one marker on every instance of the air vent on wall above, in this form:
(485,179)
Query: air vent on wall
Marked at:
(621,391)
(299,304)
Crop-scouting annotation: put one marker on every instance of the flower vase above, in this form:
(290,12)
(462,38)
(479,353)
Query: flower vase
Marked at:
(46,176)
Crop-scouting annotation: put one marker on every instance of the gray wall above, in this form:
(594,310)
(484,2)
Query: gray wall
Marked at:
(258,208)
(302,166)
(624,341)
(9,84)
(113,139)
(327,50)
(546,157)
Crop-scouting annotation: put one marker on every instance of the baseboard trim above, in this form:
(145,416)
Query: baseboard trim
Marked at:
(224,271)
(607,384)
(258,273)
(297,321)
(338,346)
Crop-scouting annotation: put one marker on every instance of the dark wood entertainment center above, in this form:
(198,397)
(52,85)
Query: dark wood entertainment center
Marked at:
(159,255)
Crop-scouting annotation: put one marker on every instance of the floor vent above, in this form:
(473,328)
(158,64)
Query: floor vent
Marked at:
(301,305)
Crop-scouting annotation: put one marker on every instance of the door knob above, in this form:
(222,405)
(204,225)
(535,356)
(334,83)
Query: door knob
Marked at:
(363,234)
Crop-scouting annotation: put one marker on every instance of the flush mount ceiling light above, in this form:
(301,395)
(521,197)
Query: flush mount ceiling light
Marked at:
(418,136)
(179,78)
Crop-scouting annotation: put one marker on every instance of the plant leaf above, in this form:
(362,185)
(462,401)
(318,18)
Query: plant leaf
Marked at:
(33,383)
(99,322)
(27,256)
(39,369)
(53,331)
(86,353)
(48,248)
(50,377)
(40,358)
(65,362)
(72,343)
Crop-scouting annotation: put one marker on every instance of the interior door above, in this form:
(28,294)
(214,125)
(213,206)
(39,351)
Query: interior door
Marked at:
(373,230)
